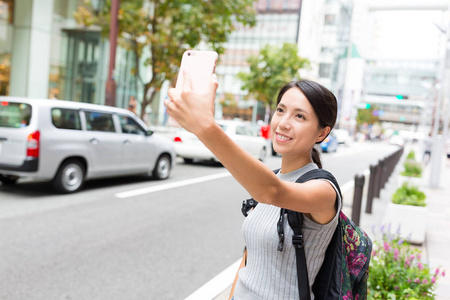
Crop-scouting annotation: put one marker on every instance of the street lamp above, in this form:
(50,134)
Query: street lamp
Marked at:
(110,98)
(439,141)
(97,5)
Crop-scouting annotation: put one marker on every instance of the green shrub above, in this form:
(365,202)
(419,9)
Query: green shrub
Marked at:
(412,169)
(409,195)
(411,155)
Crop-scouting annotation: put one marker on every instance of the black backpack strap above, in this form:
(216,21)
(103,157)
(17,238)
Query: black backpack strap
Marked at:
(296,222)
(319,174)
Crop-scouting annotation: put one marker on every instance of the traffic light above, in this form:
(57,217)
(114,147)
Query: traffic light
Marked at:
(367,105)
(399,97)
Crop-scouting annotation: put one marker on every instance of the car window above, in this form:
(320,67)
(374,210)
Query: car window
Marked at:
(224,127)
(15,115)
(129,125)
(64,118)
(97,121)
(243,130)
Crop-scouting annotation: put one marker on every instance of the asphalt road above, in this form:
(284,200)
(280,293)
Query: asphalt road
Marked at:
(131,238)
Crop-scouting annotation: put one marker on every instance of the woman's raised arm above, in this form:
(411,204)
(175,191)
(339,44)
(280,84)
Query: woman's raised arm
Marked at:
(193,111)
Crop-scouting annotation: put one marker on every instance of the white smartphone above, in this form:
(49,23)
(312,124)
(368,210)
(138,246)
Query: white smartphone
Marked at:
(200,65)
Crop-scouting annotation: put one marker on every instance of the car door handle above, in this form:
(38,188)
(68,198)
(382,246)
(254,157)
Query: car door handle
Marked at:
(3,139)
(93,141)
(127,142)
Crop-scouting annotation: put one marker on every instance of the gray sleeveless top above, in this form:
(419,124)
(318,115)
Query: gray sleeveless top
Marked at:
(269,273)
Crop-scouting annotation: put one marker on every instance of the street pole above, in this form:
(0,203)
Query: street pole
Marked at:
(113,32)
(438,140)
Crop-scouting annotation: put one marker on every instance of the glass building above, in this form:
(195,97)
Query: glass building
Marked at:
(44,54)
(277,22)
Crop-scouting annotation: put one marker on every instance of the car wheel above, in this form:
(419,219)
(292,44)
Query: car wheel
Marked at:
(188,160)
(8,180)
(162,167)
(70,177)
(274,153)
(262,154)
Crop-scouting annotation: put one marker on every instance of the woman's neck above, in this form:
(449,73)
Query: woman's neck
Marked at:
(289,164)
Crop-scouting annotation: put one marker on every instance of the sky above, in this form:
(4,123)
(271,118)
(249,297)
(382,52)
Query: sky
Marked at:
(409,34)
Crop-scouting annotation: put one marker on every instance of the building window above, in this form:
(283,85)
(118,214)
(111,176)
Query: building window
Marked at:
(6,11)
(325,70)
(330,19)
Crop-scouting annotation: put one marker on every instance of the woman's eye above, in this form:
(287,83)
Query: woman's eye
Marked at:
(279,109)
(300,116)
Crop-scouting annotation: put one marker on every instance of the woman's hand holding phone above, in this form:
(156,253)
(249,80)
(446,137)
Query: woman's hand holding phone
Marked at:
(195,81)
(191,109)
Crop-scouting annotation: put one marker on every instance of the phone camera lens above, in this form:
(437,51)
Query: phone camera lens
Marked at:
(189,53)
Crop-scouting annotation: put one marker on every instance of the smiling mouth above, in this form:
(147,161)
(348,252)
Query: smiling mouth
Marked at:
(283,137)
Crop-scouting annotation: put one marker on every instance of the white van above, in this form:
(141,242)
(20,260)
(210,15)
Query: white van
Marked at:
(69,142)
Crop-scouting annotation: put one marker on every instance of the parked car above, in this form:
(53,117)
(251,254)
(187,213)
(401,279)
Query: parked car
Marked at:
(69,142)
(189,147)
(342,136)
(330,143)
(396,140)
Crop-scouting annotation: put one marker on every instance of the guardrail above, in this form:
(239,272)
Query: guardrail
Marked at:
(379,175)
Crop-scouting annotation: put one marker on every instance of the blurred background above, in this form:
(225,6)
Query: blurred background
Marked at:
(387,62)
(384,60)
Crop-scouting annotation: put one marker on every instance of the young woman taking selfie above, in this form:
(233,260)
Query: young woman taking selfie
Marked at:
(305,114)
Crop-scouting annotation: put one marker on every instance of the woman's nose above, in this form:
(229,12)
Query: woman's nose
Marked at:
(285,122)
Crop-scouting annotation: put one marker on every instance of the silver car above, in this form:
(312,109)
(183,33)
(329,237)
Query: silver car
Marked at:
(69,142)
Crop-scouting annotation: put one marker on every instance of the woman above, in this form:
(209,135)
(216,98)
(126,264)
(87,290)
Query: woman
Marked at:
(305,115)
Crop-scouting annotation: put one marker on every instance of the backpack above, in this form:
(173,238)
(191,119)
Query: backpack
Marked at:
(345,269)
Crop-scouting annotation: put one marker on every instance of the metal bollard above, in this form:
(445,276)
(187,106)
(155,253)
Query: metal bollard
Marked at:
(371,189)
(377,186)
(357,198)
(383,173)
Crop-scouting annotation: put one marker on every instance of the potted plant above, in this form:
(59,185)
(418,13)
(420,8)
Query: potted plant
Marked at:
(407,211)
(398,272)
(412,170)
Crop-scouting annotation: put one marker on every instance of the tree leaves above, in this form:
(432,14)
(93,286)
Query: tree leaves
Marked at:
(270,70)
(163,30)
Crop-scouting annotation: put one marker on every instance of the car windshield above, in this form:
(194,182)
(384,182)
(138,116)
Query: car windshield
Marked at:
(14,115)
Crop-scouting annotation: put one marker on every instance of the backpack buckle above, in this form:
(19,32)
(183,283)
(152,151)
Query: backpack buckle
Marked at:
(247,205)
(297,241)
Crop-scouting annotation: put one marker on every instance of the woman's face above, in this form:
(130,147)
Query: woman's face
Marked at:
(295,127)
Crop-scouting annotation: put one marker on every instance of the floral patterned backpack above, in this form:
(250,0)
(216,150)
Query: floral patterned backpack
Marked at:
(345,269)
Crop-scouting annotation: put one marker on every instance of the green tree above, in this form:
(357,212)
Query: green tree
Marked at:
(366,116)
(159,31)
(270,70)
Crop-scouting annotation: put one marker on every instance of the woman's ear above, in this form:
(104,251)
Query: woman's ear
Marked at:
(323,133)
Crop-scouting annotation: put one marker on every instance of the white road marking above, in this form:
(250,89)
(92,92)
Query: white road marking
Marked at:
(171,185)
(346,187)
(217,285)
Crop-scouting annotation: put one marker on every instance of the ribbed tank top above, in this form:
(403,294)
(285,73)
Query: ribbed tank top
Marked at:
(269,273)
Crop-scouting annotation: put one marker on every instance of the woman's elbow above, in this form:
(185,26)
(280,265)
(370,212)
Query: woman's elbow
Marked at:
(270,196)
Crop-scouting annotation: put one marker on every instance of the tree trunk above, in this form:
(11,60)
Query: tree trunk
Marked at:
(149,95)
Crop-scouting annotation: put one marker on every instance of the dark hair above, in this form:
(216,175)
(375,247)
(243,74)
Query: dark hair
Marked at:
(322,101)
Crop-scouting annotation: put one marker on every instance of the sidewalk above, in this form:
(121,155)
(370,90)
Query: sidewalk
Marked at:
(438,227)
(437,240)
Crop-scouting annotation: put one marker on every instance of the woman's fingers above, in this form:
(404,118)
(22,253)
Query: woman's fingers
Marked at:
(188,107)
(187,82)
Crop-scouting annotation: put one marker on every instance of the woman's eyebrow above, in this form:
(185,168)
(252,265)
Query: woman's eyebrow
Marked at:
(295,109)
